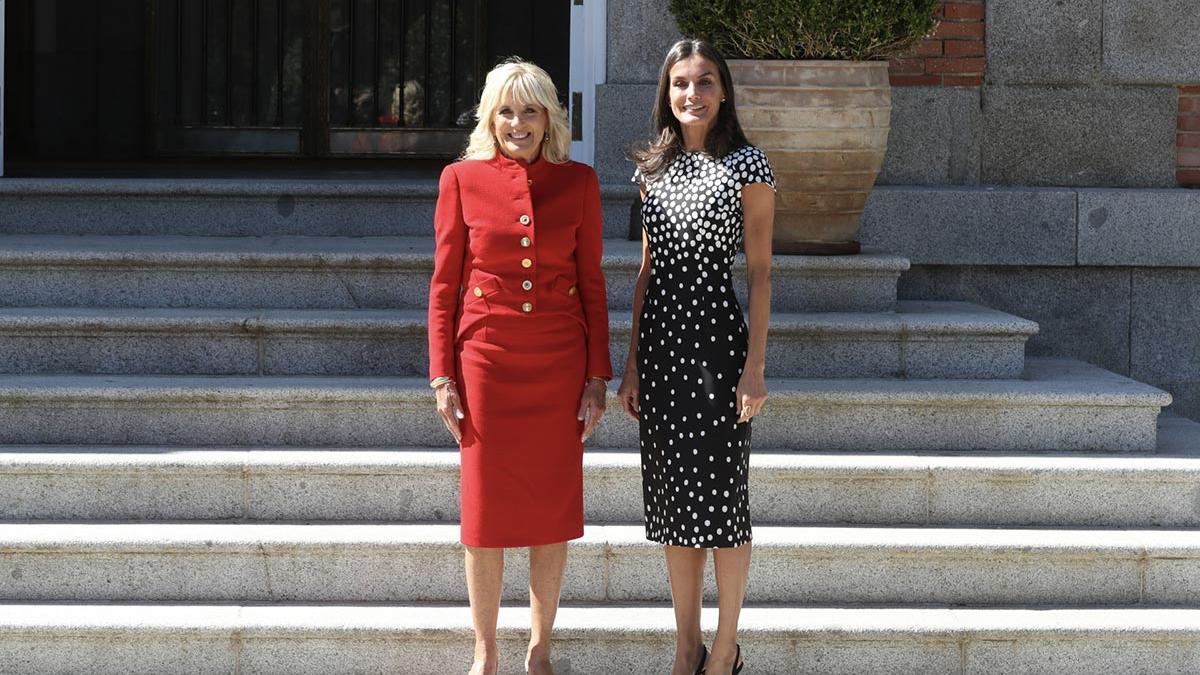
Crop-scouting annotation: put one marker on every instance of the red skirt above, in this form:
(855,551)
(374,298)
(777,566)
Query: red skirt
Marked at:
(520,379)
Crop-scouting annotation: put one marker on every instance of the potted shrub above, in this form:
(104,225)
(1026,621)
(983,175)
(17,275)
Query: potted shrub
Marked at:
(811,79)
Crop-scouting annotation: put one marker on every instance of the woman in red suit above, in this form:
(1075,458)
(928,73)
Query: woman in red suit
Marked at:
(518,343)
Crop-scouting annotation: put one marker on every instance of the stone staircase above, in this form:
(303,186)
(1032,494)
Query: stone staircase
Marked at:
(218,455)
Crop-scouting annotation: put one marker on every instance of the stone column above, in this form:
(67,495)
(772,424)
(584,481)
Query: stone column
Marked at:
(639,34)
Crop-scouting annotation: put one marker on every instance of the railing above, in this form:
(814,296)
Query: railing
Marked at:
(403,64)
(400,76)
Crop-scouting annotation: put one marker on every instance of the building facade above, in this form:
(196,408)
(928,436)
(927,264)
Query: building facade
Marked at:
(1039,162)
(221,453)
(1039,159)
(159,79)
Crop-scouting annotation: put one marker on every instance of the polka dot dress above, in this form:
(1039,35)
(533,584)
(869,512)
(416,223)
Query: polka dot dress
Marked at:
(691,351)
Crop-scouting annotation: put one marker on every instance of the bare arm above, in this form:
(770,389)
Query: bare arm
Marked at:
(758,205)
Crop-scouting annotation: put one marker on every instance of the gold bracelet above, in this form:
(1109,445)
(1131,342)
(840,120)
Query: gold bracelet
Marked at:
(439,381)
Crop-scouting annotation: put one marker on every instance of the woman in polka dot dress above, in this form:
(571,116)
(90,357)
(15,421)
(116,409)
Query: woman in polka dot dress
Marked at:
(694,377)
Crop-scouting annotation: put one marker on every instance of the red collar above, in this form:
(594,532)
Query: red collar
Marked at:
(538,166)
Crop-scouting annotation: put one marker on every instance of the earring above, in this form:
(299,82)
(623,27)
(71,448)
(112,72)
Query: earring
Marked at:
(546,138)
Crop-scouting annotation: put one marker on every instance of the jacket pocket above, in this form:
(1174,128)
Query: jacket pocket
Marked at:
(564,286)
(482,286)
(472,322)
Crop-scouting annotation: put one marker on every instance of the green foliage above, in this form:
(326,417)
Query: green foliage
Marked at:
(844,30)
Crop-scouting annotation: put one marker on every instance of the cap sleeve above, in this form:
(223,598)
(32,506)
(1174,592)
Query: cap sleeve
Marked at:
(752,166)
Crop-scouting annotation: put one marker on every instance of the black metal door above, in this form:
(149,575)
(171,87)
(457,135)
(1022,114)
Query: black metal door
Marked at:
(228,76)
(403,75)
(333,77)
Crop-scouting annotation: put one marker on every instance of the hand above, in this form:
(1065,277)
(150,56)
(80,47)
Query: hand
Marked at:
(591,405)
(751,394)
(629,394)
(449,409)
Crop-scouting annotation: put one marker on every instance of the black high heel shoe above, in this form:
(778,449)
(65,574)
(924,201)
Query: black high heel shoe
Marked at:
(703,660)
(738,663)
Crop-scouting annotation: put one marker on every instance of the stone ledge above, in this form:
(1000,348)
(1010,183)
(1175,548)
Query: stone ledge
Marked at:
(653,621)
(28,249)
(207,252)
(912,319)
(1046,382)
(421,484)
(1059,405)
(1004,226)
(101,321)
(304,639)
(918,341)
(349,272)
(155,188)
(1147,228)
(925,340)
(380,562)
(972,225)
(330,188)
(290,538)
(931,224)
(258,207)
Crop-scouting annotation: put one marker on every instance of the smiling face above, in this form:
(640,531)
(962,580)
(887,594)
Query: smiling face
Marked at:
(519,129)
(695,93)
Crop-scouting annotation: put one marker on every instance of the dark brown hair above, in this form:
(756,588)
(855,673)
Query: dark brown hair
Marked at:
(726,135)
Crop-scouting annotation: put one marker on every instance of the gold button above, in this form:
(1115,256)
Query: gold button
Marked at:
(526,263)
(478,292)
(527,285)
(526,242)
(524,220)
(528,307)
(571,291)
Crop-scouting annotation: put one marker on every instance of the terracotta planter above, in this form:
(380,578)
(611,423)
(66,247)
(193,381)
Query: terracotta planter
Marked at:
(824,125)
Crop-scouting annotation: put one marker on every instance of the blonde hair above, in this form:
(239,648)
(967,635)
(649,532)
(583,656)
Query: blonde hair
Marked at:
(524,83)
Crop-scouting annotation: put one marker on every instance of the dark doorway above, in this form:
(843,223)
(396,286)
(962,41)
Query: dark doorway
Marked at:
(113,80)
(75,79)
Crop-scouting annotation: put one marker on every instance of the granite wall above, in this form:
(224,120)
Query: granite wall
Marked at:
(1049,191)
(1112,275)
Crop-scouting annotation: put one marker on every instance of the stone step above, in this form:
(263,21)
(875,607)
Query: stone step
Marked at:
(165,341)
(341,206)
(1060,404)
(378,562)
(124,639)
(787,488)
(204,272)
(920,340)
(349,273)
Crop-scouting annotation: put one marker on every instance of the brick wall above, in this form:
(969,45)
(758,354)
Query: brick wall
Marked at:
(954,56)
(1187,155)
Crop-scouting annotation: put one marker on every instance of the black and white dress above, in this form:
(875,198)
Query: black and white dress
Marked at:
(692,345)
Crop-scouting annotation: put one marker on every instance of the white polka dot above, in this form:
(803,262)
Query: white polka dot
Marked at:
(696,199)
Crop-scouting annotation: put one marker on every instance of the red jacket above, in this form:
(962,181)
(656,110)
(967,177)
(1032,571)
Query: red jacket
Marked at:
(528,238)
